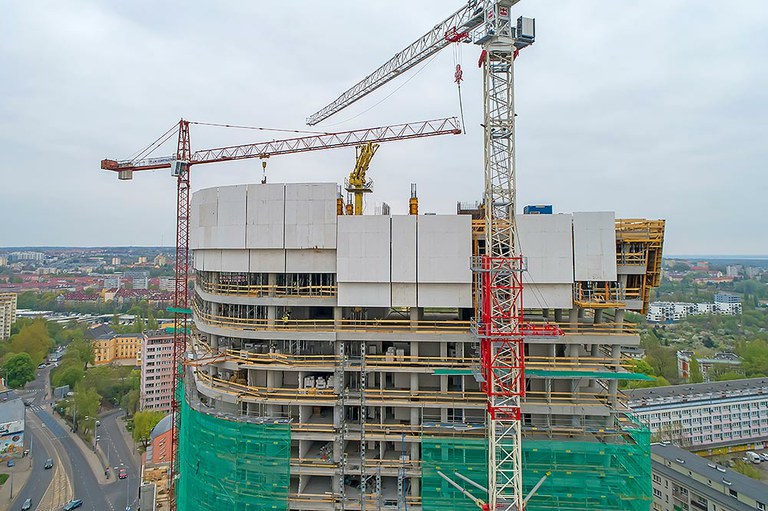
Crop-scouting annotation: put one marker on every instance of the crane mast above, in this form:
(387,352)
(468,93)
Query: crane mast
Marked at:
(487,23)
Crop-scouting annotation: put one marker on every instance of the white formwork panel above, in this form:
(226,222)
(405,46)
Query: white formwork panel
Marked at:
(594,246)
(211,260)
(363,253)
(265,216)
(546,241)
(206,201)
(235,260)
(194,221)
(404,294)
(198,256)
(444,249)
(548,296)
(268,260)
(310,261)
(310,215)
(444,295)
(230,215)
(403,249)
(364,294)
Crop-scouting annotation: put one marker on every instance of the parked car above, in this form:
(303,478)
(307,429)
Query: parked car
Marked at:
(26,505)
(754,457)
(48,463)
(11,463)
(122,474)
(73,504)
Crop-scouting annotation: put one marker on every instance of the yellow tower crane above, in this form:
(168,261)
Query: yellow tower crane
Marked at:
(357,184)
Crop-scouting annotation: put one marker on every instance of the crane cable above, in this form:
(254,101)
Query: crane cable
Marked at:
(458,76)
(282,130)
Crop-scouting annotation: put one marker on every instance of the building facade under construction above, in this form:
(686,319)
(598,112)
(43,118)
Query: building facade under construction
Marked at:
(334,363)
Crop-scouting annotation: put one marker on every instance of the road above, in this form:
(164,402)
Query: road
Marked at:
(75,477)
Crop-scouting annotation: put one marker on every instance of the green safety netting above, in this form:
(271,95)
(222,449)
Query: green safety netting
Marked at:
(585,476)
(232,466)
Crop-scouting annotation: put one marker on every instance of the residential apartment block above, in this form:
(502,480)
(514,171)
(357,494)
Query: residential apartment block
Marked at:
(685,481)
(706,417)
(342,366)
(7,313)
(724,362)
(156,371)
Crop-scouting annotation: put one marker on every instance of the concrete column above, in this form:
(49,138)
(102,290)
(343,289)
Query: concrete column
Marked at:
(338,314)
(545,313)
(558,315)
(271,313)
(598,316)
(271,385)
(573,319)
(613,385)
(619,318)
(272,282)
(443,380)
(414,376)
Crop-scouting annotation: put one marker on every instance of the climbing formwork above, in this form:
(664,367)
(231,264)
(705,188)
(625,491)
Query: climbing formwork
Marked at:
(611,472)
(232,465)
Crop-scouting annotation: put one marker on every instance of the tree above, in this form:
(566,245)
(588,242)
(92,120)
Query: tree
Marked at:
(143,423)
(747,469)
(87,401)
(83,349)
(694,371)
(67,375)
(32,338)
(19,369)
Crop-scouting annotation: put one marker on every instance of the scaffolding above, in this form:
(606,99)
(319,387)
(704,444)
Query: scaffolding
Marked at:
(232,465)
(607,474)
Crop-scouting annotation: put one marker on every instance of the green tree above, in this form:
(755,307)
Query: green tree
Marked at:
(19,369)
(143,422)
(747,469)
(83,349)
(694,371)
(87,402)
(67,375)
(33,338)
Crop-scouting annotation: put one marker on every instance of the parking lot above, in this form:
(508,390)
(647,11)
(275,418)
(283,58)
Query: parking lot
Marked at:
(727,460)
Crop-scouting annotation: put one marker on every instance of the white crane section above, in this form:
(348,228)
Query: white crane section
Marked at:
(487,23)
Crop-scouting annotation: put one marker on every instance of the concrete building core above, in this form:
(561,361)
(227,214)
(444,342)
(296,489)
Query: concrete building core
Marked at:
(334,365)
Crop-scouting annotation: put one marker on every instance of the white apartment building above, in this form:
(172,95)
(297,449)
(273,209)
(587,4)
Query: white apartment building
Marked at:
(685,481)
(7,313)
(725,361)
(706,416)
(661,312)
(156,371)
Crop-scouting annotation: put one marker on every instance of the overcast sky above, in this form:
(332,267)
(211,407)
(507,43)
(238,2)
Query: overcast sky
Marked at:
(655,109)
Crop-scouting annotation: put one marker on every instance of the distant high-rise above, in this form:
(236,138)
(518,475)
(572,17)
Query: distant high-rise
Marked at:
(7,313)
(156,371)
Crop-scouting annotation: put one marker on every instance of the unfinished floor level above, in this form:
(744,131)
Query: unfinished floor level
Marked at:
(336,366)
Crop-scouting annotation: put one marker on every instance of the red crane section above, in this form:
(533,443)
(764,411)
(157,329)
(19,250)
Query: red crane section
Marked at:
(181,163)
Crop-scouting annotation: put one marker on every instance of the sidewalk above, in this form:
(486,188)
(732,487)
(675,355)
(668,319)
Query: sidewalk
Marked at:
(96,460)
(21,473)
(128,439)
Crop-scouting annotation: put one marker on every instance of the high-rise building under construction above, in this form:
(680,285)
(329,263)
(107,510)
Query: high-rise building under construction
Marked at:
(335,364)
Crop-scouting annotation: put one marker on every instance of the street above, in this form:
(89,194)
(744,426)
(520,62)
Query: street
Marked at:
(72,475)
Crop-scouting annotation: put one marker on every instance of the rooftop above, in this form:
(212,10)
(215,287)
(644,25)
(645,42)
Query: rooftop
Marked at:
(685,391)
(11,411)
(742,484)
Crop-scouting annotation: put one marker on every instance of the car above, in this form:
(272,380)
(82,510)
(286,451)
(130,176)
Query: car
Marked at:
(73,504)
(11,463)
(26,505)
(48,463)
(122,474)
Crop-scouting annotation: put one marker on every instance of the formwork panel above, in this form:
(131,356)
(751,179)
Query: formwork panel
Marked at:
(444,248)
(310,215)
(232,466)
(444,295)
(594,246)
(267,261)
(546,242)
(548,296)
(310,261)
(364,294)
(404,249)
(234,260)
(363,253)
(265,216)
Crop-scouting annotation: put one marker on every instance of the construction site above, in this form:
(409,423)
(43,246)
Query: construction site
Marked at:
(331,356)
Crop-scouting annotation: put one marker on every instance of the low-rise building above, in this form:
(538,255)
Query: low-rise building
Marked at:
(724,361)
(711,418)
(8,303)
(113,348)
(685,481)
(157,383)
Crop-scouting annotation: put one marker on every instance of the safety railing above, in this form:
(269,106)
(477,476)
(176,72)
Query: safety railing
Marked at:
(387,325)
(264,290)
(631,258)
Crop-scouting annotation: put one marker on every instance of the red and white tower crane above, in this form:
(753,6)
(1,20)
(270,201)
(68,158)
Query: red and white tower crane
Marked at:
(487,23)
(181,164)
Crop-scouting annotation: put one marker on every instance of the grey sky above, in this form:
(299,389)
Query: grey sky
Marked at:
(653,109)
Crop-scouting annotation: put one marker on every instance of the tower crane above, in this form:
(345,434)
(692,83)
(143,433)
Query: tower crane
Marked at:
(487,23)
(357,183)
(181,164)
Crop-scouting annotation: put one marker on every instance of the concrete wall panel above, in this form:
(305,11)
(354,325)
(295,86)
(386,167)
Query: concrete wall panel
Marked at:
(363,253)
(546,241)
(364,294)
(310,215)
(265,216)
(267,261)
(594,246)
(403,295)
(444,295)
(212,260)
(444,245)
(310,261)
(548,296)
(235,260)
(403,250)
